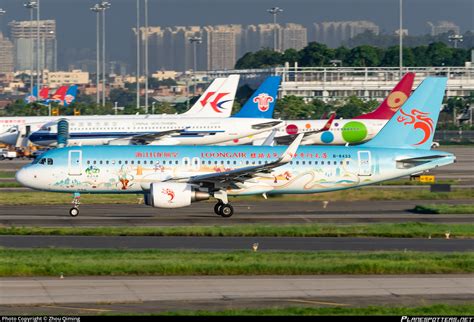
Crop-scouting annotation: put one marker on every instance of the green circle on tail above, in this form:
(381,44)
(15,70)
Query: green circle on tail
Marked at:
(354,132)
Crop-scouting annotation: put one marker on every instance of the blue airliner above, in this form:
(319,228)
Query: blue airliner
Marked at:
(176,176)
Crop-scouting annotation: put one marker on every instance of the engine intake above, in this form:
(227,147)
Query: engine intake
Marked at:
(173,195)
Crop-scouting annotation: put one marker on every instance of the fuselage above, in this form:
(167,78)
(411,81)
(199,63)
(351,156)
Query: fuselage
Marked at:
(120,131)
(341,132)
(131,169)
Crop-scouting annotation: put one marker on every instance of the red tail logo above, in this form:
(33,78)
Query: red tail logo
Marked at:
(420,120)
(169,193)
(206,98)
(216,100)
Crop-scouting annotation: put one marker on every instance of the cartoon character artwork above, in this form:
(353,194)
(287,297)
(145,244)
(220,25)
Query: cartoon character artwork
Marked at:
(125,178)
(170,193)
(420,120)
(92,171)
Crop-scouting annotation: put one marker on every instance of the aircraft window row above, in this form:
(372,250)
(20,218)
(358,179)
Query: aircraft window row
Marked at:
(47,161)
(317,162)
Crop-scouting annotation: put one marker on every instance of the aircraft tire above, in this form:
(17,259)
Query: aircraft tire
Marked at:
(217,208)
(73,212)
(226,210)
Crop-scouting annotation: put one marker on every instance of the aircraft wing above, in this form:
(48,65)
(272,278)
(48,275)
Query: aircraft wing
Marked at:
(288,138)
(265,125)
(147,138)
(245,173)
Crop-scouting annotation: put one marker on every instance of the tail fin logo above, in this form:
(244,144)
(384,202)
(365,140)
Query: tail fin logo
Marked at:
(263,101)
(206,98)
(216,105)
(420,120)
(396,99)
(31,99)
(169,193)
(69,99)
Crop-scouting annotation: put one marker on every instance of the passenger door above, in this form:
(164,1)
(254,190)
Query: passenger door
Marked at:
(365,163)
(75,163)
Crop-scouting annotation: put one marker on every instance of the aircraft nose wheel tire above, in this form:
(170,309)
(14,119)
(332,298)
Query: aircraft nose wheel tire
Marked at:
(226,210)
(217,208)
(74,212)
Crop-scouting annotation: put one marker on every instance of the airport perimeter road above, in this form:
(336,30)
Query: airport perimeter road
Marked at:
(264,211)
(240,243)
(56,291)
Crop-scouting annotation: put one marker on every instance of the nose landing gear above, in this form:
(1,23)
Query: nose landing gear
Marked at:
(74,211)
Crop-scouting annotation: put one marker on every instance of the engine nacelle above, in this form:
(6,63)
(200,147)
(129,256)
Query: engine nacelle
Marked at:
(173,195)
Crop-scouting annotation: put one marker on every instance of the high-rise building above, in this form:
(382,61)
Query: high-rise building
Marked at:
(293,36)
(443,27)
(6,55)
(334,33)
(221,43)
(24,38)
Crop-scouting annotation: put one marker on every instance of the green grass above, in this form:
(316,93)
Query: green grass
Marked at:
(400,230)
(445,209)
(10,184)
(50,198)
(117,262)
(7,174)
(430,310)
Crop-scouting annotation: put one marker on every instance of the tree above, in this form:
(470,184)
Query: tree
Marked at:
(316,54)
(364,56)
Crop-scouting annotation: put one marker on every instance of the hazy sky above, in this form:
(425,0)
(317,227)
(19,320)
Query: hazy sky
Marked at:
(76,23)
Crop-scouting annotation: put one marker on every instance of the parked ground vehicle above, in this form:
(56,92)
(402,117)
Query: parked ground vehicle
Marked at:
(6,154)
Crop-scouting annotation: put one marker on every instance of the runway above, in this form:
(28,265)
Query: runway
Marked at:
(54,291)
(240,243)
(264,211)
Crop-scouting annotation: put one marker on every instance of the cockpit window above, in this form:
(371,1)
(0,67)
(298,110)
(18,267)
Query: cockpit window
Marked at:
(50,161)
(42,161)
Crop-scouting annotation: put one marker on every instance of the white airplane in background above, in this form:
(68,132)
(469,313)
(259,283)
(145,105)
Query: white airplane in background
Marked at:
(157,130)
(216,102)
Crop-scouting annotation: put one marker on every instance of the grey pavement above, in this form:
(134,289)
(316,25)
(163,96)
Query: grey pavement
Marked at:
(141,289)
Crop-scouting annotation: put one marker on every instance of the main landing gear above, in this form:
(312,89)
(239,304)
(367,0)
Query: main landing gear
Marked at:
(223,209)
(74,211)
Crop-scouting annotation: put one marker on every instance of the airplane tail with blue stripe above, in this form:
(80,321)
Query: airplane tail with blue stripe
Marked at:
(262,103)
(414,124)
(70,96)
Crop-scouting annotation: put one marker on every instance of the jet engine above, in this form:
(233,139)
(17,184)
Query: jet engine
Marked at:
(173,195)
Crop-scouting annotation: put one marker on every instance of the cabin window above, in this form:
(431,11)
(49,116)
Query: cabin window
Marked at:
(164,162)
(176,162)
(100,162)
(107,162)
(297,162)
(247,162)
(335,162)
(132,162)
(235,162)
(303,162)
(120,162)
(185,162)
(95,162)
(88,161)
(126,161)
(138,162)
(322,162)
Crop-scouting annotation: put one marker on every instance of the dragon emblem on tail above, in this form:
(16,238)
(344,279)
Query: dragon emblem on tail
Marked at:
(420,120)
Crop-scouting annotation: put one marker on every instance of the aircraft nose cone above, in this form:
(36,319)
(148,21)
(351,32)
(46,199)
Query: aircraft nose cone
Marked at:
(22,177)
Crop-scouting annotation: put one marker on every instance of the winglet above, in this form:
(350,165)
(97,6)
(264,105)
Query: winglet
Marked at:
(291,151)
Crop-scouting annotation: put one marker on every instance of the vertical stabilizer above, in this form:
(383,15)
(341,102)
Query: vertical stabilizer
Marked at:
(414,124)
